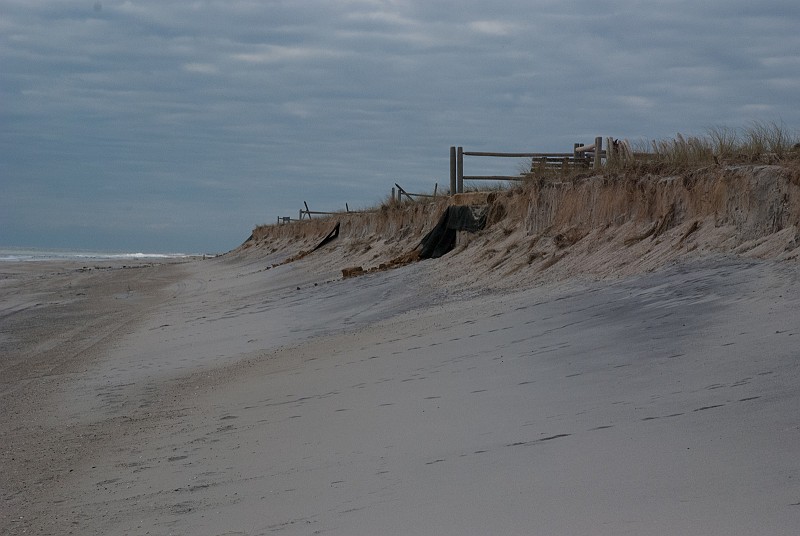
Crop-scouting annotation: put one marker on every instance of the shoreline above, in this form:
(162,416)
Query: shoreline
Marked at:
(226,396)
(15,254)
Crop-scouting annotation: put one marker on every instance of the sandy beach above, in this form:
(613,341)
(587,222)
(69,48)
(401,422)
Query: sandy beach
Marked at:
(222,397)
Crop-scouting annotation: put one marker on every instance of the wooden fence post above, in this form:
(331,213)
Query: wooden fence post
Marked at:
(460,170)
(452,170)
(598,148)
(611,150)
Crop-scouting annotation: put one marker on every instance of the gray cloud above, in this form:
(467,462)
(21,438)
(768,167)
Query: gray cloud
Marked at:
(212,116)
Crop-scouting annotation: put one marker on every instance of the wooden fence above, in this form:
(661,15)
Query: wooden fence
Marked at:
(400,192)
(307,213)
(582,156)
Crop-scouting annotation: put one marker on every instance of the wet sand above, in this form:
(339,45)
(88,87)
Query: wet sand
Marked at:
(221,397)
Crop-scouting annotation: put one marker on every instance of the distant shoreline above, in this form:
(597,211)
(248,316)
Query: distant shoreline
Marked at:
(23,254)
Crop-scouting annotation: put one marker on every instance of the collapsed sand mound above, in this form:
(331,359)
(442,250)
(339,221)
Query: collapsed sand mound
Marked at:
(597,226)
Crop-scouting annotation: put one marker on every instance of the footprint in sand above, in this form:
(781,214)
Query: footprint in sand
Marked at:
(709,407)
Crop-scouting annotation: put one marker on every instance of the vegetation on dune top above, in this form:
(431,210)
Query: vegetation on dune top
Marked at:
(760,143)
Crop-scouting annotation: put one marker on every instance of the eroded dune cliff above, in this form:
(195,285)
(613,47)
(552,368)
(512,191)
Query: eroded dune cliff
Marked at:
(597,226)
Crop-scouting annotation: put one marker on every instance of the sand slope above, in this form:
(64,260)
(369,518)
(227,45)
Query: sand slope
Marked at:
(658,404)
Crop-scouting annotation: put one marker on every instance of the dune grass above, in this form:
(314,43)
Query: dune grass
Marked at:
(761,142)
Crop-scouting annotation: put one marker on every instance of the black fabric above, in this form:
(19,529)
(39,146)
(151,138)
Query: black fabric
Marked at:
(442,238)
(331,236)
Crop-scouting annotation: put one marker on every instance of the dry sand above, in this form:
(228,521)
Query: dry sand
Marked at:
(221,397)
(56,321)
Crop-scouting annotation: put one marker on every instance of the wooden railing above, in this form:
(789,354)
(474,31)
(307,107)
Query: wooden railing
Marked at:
(582,156)
(307,213)
(400,192)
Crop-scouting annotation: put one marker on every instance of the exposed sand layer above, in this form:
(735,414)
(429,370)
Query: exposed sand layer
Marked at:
(582,366)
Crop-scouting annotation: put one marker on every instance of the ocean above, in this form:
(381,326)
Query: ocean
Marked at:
(19,254)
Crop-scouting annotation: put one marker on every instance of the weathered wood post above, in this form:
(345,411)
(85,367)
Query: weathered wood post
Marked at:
(460,170)
(598,148)
(611,150)
(452,170)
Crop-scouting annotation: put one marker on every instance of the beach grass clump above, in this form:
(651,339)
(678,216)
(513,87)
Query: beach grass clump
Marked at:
(724,141)
(683,152)
(761,142)
(769,139)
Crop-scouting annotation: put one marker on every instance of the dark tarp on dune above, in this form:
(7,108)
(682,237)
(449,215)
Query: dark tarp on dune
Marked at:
(331,236)
(442,237)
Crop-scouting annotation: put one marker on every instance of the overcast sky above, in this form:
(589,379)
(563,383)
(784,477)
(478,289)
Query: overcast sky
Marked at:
(160,125)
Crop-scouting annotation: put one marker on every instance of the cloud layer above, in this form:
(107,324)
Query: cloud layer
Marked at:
(176,125)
